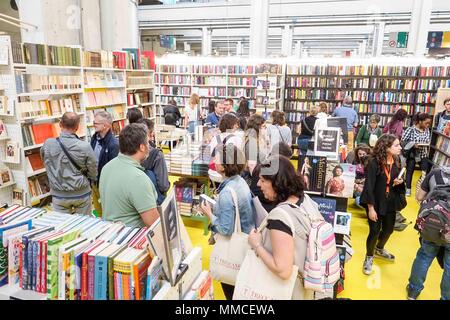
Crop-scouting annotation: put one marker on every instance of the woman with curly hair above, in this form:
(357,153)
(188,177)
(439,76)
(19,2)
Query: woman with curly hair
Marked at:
(282,244)
(382,196)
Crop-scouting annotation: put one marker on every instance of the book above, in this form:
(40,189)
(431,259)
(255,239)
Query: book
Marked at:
(313,170)
(84,269)
(139,275)
(35,161)
(194,263)
(340,179)
(91,269)
(12,154)
(42,132)
(155,278)
(342,221)
(5,175)
(101,271)
(3,132)
(327,208)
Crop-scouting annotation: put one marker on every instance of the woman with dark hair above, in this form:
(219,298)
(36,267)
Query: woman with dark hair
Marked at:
(382,196)
(230,162)
(362,151)
(211,106)
(282,244)
(416,141)
(255,143)
(278,131)
(395,126)
(243,113)
(134,115)
(336,185)
(307,126)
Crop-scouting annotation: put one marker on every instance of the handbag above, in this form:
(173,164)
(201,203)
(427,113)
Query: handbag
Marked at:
(229,252)
(255,281)
(83,171)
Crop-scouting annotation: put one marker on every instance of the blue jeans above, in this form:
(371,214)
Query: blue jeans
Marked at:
(302,143)
(425,256)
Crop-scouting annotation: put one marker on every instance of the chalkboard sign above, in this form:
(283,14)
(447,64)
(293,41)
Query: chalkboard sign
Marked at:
(326,142)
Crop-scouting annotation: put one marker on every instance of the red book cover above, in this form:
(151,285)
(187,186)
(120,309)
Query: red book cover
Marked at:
(151,56)
(42,132)
(116,286)
(91,277)
(84,270)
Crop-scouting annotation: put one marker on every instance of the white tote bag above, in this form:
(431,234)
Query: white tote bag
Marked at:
(229,252)
(255,281)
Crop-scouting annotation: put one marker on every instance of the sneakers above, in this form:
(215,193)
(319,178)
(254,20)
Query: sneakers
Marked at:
(367,267)
(399,217)
(408,192)
(409,294)
(384,254)
(400,226)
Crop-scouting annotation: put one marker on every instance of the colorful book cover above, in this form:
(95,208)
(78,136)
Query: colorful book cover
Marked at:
(52,261)
(155,276)
(140,274)
(112,284)
(327,208)
(91,269)
(5,232)
(101,272)
(14,246)
(340,179)
(313,170)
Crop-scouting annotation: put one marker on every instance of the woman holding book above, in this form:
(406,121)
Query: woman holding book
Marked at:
(230,163)
(369,133)
(382,196)
(283,242)
(193,113)
(416,141)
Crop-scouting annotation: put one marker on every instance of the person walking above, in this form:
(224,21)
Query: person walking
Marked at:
(106,148)
(382,196)
(71,166)
(347,111)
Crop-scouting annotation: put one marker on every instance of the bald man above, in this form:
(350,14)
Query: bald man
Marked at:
(70,164)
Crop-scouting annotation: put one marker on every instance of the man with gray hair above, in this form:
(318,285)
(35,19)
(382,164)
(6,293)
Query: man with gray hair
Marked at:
(70,163)
(347,111)
(106,148)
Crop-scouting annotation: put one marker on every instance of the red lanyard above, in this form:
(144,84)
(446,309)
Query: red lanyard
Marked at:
(388,176)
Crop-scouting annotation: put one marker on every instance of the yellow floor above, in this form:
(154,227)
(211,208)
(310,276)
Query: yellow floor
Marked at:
(389,279)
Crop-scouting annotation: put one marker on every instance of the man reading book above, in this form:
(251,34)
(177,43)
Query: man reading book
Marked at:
(127,193)
(70,163)
(106,148)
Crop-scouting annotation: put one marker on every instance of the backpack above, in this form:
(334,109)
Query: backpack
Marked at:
(212,164)
(322,267)
(433,222)
(151,174)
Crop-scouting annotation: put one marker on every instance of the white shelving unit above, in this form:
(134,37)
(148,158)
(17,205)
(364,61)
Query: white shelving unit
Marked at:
(140,82)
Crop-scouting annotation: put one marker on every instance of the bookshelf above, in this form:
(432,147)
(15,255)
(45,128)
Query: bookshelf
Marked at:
(141,92)
(440,135)
(375,89)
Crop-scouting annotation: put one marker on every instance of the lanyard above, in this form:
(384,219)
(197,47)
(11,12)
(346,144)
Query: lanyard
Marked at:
(388,176)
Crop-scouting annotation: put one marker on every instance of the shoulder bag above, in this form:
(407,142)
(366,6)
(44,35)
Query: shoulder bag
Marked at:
(255,281)
(84,171)
(229,252)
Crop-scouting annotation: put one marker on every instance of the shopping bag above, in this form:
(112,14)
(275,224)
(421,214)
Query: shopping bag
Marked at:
(229,252)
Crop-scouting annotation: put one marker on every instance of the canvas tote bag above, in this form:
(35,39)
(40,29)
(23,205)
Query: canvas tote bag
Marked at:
(255,281)
(229,252)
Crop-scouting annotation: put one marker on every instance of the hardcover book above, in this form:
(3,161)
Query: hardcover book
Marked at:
(313,170)
(340,179)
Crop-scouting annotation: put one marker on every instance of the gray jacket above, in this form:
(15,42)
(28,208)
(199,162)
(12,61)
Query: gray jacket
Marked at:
(64,179)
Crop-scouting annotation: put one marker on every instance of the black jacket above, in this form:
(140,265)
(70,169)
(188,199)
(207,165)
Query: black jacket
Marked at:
(110,149)
(171,115)
(374,191)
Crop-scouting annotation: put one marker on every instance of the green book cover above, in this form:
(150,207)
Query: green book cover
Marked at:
(52,261)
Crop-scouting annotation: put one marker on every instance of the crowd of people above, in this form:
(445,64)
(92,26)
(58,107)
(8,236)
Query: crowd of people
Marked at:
(127,178)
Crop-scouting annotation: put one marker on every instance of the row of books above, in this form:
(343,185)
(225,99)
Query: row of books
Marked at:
(138,98)
(241,81)
(434,72)
(426,109)
(211,80)
(47,108)
(34,83)
(425,97)
(103,79)
(443,144)
(130,58)
(17,53)
(175,91)
(241,92)
(397,97)
(241,70)
(269,68)
(181,101)
(38,185)
(328,70)
(174,68)
(441,159)
(311,82)
(140,82)
(51,55)
(205,92)
(396,71)
(382,108)
(210,69)
(117,114)
(102,59)
(34,134)
(397,84)
(172,79)
(433,84)
(105,97)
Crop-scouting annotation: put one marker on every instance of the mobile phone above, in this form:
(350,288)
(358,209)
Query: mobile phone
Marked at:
(205,198)
(402,172)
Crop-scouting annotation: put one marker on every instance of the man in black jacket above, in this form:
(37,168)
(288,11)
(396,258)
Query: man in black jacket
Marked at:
(106,148)
(172,114)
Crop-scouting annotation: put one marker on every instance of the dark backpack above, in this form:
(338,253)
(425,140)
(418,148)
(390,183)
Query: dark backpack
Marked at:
(433,222)
(151,174)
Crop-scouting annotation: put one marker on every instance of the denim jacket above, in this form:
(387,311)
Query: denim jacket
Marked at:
(224,209)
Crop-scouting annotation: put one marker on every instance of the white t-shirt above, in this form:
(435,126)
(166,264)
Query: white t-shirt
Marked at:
(192,113)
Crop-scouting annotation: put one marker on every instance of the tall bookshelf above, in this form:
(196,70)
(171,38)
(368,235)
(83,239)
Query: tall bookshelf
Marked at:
(375,89)
(440,137)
